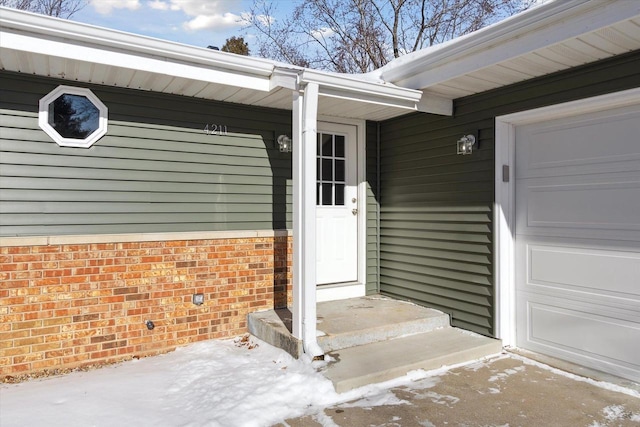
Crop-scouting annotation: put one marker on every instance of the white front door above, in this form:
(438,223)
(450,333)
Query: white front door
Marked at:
(337,204)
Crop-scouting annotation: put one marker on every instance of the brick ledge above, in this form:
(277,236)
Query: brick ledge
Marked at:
(139,237)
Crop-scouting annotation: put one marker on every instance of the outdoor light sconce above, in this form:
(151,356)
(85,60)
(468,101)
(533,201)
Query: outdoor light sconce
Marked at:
(198,299)
(284,142)
(465,144)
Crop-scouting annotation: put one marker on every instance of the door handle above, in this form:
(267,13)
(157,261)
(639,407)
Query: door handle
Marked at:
(354,211)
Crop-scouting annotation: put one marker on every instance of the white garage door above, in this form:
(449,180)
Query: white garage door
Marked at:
(578,239)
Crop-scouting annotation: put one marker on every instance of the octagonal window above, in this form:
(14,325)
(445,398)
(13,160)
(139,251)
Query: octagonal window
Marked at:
(73,117)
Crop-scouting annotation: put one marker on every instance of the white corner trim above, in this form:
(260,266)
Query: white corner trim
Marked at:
(504,206)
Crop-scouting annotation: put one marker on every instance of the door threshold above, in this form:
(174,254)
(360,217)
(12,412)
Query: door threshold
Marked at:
(339,291)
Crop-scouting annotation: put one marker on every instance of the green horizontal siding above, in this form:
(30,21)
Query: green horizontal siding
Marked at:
(155,170)
(373,209)
(436,223)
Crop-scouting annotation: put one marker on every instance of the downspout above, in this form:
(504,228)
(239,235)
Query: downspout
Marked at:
(305,117)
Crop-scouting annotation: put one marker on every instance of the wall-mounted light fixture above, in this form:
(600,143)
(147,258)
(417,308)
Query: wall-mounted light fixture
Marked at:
(284,142)
(466,143)
(197,299)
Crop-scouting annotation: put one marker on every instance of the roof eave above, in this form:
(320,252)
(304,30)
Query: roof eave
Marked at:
(20,22)
(542,26)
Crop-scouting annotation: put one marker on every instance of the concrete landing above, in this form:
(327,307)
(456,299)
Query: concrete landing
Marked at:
(359,321)
(385,360)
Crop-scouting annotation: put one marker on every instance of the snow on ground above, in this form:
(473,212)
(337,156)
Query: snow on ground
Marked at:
(213,383)
(228,383)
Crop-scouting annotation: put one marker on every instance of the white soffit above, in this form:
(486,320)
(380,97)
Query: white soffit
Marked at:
(36,44)
(549,38)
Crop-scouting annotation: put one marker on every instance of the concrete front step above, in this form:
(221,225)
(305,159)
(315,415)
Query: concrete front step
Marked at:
(348,323)
(376,339)
(359,321)
(382,361)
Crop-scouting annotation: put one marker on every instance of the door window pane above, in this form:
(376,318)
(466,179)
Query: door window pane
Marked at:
(339,146)
(327,170)
(327,189)
(339,177)
(327,145)
(339,195)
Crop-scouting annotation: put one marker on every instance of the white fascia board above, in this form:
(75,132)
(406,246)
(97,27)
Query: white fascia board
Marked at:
(348,87)
(82,38)
(436,104)
(341,86)
(286,77)
(536,28)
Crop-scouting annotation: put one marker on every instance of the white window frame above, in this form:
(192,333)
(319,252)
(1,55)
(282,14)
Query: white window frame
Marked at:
(43,117)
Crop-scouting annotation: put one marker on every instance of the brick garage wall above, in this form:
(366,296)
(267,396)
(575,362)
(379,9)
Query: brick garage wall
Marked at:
(64,303)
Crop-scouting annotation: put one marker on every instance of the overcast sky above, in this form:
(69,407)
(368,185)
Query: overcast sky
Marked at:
(194,22)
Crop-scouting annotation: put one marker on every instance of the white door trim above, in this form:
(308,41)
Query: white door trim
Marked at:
(504,206)
(358,288)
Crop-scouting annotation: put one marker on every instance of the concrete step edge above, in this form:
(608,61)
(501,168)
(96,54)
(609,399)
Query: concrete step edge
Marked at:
(267,326)
(377,334)
(380,368)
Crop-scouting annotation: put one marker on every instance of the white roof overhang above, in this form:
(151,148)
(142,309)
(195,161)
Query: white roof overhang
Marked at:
(552,37)
(45,46)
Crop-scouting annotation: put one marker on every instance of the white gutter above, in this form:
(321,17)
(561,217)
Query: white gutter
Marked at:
(19,26)
(520,34)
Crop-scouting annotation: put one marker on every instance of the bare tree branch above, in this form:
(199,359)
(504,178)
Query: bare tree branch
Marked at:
(357,36)
(57,8)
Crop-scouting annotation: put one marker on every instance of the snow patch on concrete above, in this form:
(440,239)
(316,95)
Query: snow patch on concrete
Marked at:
(506,373)
(602,384)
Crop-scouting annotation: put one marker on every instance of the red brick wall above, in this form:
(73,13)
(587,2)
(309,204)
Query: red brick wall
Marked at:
(68,305)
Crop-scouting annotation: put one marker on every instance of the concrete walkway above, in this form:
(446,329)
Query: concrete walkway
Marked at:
(504,391)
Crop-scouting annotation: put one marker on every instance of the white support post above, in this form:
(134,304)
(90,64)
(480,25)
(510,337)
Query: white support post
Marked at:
(305,117)
(298,294)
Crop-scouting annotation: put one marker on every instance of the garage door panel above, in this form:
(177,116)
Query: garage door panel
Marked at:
(558,147)
(615,273)
(581,274)
(577,239)
(588,206)
(577,334)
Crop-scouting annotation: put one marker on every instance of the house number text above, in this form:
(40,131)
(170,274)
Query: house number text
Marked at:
(214,129)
